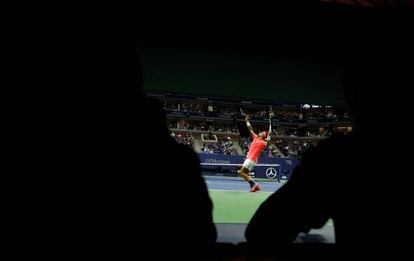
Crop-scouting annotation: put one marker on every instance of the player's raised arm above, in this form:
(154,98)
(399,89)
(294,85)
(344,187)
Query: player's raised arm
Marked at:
(249,126)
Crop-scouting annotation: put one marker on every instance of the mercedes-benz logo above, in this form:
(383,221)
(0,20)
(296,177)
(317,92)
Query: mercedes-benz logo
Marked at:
(271,173)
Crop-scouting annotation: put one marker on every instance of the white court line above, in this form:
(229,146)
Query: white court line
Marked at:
(267,192)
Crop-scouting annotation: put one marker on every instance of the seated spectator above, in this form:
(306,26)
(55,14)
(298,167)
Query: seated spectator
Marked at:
(368,217)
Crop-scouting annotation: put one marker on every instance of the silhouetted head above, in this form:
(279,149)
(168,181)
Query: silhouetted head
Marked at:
(377,81)
(372,89)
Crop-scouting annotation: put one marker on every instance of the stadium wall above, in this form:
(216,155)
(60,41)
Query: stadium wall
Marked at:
(245,76)
(285,168)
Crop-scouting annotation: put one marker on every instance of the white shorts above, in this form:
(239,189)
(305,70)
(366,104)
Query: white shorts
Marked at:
(249,164)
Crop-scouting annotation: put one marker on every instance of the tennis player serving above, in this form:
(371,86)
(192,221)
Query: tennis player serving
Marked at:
(258,144)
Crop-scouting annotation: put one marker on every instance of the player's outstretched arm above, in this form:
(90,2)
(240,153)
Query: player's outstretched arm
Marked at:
(249,126)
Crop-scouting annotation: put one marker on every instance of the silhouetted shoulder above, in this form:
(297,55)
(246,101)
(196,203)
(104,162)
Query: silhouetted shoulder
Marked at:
(337,143)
